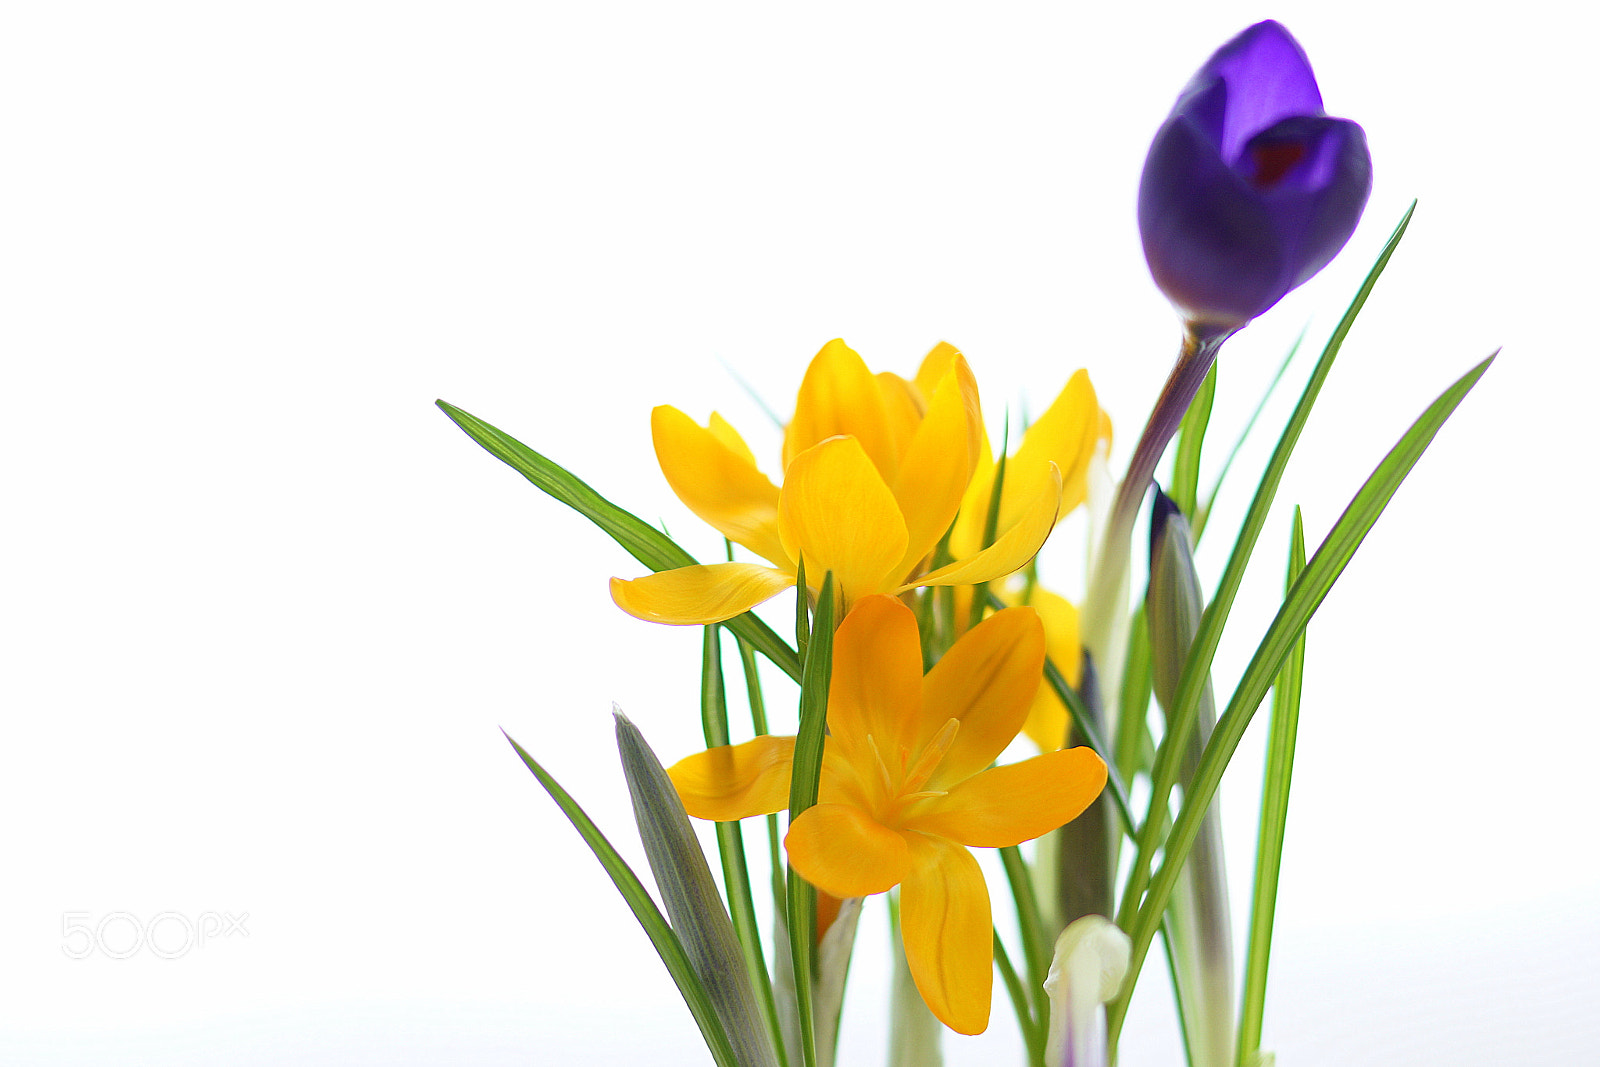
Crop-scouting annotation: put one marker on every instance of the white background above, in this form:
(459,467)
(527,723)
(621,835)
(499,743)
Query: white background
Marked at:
(266,609)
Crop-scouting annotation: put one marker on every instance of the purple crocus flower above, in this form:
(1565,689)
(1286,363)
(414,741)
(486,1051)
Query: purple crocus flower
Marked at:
(1249,188)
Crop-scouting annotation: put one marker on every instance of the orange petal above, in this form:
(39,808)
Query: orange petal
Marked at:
(1065,435)
(717,482)
(838,513)
(948,932)
(827,912)
(1047,718)
(839,396)
(736,781)
(938,464)
(877,684)
(1011,551)
(987,681)
(1015,803)
(704,593)
(842,850)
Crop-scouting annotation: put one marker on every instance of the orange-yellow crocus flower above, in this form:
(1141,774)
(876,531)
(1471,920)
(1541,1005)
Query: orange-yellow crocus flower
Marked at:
(872,481)
(907,786)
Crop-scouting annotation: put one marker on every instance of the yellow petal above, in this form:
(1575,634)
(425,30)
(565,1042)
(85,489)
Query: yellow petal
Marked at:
(934,367)
(717,482)
(837,511)
(1047,718)
(842,850)
(966,536)
(1015,803)
(723,431)
(938,464)
(902,405)
(839,396)
(736,781)
(949,939)
(1011,551)
(986,681)
(1065,435)
(877,684)
(700,594)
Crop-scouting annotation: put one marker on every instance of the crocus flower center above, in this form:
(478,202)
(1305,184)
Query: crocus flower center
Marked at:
(1268,162)
(903,785)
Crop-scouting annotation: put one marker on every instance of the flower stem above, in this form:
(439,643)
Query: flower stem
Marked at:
(1104,608)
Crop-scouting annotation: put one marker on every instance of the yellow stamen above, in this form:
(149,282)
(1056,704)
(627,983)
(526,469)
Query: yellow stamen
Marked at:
(883,768)
(931,757)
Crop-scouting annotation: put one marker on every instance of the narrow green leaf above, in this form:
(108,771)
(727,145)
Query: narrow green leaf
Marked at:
(802,611)
(713,691)
(1204,510)
(752,687)
(666,942)
(1036,941)
(1200,938)
(1307,594)
(643,542)
(691,898)
(803,784)
(1191,437)
(1083,721)
(1032,1032)
(758,719)
(1134,747)
(1181,716)
(1274,818)
(814,681)
(730,842)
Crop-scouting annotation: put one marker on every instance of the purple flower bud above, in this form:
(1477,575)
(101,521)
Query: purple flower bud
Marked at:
(1249,188)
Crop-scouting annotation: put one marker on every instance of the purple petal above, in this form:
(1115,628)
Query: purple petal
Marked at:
(1317,203)
(1162,509)
(1266,78)
(1249,188)
(1210,239)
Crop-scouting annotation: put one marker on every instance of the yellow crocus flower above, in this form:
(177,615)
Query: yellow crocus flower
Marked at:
(907,786)
(1067,436)
(873,478)
(1048,718)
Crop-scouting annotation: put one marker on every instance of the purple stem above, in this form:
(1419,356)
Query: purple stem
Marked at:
(1194,363)
(1101,609)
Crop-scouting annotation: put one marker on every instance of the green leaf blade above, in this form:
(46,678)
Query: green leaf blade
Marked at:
(638,899)
(642,541)
(1304,598)
(803,788)
(1184,489)
(693,903)
(730,842)
(1181,717)
(1274,819)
